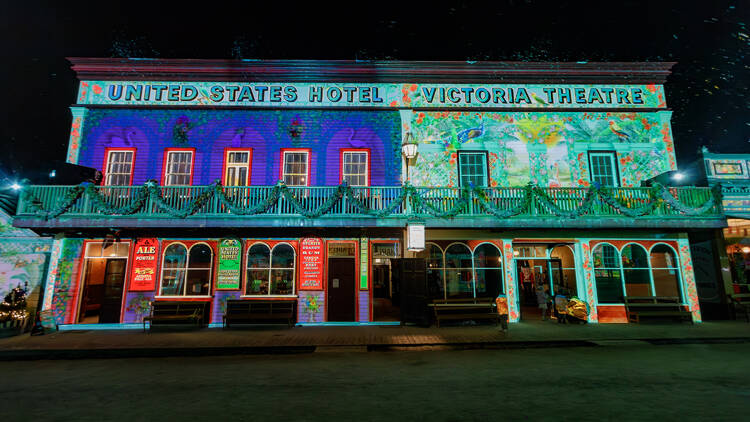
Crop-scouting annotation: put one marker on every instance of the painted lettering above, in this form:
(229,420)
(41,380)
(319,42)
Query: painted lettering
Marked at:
(453,95)
(246,94)
(608,93)
(523,96)
(483,96)
(159,91)
(428,94)
(364,94)
(275,95)
(467,94)
(580,95)
(133,92)
(622,96)
(349,91)
(550,94)
(498,94)
(334,94)
(290,93)
(316,94)
(636,94)
(564,95)
(114,92)
(375,95)
(595,96)
(189,93)
(261,92)
(217,93)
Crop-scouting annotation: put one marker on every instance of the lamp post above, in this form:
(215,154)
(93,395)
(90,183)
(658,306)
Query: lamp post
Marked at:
(409,150)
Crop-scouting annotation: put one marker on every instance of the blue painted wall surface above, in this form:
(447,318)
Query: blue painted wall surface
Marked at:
(266,132)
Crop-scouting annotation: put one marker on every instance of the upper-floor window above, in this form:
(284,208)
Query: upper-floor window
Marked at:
(178,168)
(472,168)
(603,168)
(295,167)
(355,167)
(118,166)
(237,167)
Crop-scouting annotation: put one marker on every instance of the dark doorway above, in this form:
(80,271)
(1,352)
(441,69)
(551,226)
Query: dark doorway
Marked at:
(341,293)
(386,294)
(114,279)
(103,283)
(411,276)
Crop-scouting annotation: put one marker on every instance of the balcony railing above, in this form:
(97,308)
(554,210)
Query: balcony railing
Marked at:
(383,203)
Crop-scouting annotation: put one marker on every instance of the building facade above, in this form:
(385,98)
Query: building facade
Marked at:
(317,182)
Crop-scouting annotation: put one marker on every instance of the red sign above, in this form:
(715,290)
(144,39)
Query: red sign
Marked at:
(311,264)
(143,275)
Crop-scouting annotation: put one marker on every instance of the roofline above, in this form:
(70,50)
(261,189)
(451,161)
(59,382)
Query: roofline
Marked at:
(90,68)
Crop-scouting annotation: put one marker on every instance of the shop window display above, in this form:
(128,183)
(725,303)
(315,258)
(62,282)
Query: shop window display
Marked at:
(608,274)
(186,272)
(270,272)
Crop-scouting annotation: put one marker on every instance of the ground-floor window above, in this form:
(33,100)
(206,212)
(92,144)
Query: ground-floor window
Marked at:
(186,271)
(459,272)
(635,272)
(270,271)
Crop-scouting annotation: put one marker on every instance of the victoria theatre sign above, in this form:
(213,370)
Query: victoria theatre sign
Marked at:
(374,95)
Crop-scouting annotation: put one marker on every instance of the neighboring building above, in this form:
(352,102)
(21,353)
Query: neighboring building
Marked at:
(522,171)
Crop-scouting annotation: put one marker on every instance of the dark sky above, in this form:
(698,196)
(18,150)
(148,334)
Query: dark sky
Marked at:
(709,39)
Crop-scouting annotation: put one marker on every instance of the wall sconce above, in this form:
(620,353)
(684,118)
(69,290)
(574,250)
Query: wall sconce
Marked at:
(409,150)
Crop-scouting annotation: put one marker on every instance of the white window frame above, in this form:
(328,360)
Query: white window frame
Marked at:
(612,161)
(284,174)
(108,167)
(237,166)
(366,163)
(168,175)
(483,154)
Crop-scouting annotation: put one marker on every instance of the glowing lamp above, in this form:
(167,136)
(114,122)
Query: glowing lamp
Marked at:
(678,176)
(746,249)
(15,186)
(409,146)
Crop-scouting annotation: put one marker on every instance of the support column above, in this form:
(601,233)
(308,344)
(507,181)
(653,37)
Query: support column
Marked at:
(586,265)
(76,128)
(510,280)
(688,279)
(49,283)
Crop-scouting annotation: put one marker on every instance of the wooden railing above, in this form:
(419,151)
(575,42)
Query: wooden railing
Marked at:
(48,201)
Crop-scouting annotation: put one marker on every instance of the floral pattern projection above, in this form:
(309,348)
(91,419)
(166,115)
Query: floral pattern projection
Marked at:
(588,277)
(66,281)
(548,149)
(23,260)
(688,275)
(510,281)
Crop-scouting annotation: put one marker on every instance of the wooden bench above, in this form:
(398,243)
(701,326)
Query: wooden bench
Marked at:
(741,304)
(656,307)
(170,312)
(259,311)
(466,309)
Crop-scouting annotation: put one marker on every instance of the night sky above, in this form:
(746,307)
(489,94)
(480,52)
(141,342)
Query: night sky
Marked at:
(708,90)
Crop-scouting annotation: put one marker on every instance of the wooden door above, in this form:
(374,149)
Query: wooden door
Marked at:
(341,289)
(411,276)
(114,280)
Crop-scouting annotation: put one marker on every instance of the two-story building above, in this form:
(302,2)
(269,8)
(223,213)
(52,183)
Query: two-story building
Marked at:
(353,187)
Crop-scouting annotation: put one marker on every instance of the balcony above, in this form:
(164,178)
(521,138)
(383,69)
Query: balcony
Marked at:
(150,205)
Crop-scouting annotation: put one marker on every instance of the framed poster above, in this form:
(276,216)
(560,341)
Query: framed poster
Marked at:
(228,275)
(145,259)
(311,264)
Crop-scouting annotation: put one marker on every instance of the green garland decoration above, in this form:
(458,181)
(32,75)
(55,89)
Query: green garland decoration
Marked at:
(150,191)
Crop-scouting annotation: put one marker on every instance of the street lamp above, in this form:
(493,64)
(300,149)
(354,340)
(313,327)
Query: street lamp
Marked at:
(409,150)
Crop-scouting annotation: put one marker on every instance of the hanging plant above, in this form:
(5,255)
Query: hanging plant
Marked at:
(296,129)
(181,129)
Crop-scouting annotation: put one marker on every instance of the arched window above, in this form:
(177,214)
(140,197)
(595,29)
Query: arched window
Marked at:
(608,274)
(636,272)
(433,256)
(270,272)
(488,267)
(665,271)
(564,283)
(187,272)
(458,271)
(258,268)
(282,270)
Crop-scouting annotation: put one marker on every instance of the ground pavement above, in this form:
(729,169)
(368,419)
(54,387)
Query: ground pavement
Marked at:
(272,339)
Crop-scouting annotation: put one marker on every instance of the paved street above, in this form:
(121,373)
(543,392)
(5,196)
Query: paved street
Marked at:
(616,380)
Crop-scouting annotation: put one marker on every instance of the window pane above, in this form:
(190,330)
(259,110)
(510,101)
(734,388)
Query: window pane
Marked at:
(608,274)
(175,256)
(172,282)
(458,256)
(179,166)
(602,169)
(634,256)
(200,256)
(198,282)
(663,257)
(283,256)
(459,283)
(258,256)
(666,282)
(637,282)
(257,282)
(489,282)
(282,282)
(487,256)
(432,255)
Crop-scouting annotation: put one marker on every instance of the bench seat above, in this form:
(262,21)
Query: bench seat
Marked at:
(464,309)
(656,307)
(253,311)
(171,312)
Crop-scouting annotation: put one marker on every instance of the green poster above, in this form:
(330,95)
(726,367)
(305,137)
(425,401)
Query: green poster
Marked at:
(363,267)
(229,264)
